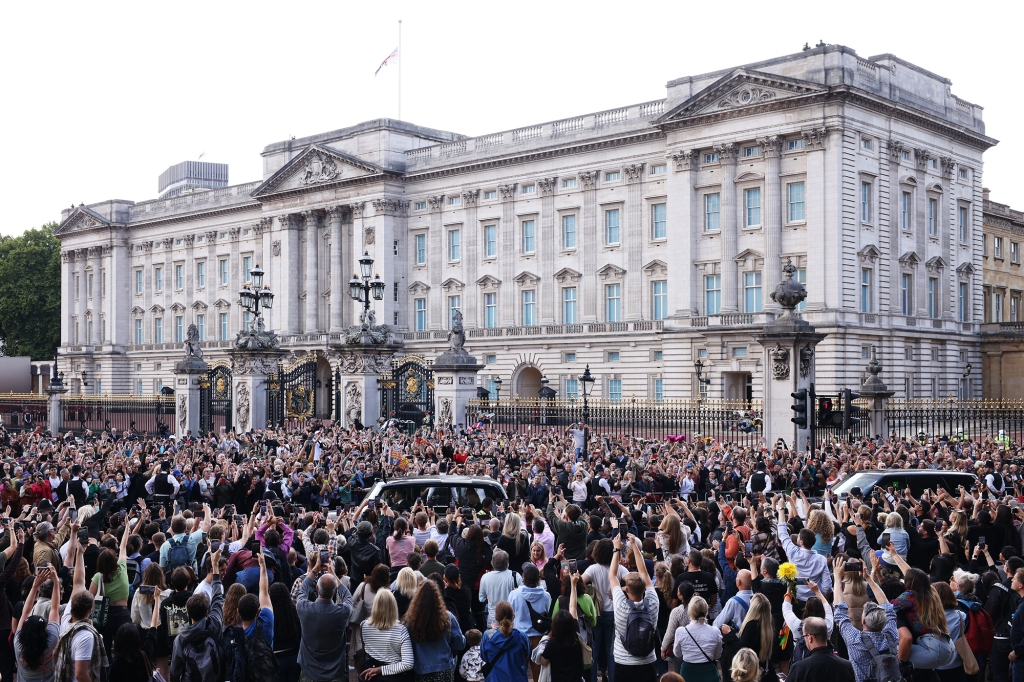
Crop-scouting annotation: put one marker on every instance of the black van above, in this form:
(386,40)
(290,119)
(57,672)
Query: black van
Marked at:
(439,491)
(917,480)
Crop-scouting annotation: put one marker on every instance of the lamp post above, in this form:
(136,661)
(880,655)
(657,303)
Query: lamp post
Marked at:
(698,366)
(361,287)
(256,297)
(587,379)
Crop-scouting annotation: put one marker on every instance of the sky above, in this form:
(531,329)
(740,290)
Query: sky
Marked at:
(101,97)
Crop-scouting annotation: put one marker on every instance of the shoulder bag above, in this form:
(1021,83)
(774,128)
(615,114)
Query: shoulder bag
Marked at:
(100,605)
(963,648)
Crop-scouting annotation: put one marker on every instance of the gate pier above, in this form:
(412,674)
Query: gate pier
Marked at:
(188,374)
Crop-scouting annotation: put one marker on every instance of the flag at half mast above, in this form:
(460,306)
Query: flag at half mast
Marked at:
(393,55)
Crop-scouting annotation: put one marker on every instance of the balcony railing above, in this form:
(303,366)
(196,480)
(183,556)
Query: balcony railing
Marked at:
(546,330)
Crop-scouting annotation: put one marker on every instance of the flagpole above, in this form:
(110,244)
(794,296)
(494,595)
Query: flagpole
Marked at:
(399,69)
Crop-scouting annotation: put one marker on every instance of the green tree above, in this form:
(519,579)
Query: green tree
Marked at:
(30,293)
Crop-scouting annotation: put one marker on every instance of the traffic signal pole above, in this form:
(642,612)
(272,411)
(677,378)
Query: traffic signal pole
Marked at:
(813,426)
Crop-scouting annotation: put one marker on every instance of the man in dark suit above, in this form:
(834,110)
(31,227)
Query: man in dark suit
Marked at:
(820,663)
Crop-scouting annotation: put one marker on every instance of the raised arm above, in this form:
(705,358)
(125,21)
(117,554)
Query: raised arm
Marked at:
(54,597)
(613,569)
(641,567)
(30,600)
(264,584)
(572,596)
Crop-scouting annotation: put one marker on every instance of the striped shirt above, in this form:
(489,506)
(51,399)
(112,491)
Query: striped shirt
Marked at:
(391,646)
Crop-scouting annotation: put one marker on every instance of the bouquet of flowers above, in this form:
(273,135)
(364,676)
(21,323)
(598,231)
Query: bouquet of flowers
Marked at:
(787,574)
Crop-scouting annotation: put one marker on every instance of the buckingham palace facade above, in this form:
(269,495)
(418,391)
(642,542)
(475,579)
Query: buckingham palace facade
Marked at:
(636,240)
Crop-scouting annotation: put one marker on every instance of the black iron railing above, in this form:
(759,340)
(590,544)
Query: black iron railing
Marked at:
(24,411)
(950,418)
(144,414)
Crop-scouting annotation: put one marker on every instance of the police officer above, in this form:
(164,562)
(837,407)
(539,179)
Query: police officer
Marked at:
(993,479)
(759,482)
(163,487)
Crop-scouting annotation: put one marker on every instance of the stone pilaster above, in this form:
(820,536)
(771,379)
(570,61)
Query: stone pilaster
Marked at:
(471,239)
(311,323)
(68,287)
(508,256)
(81,255)
(339,292)
(289,283)
(437,256)
(586,295)
(97,295)
(634,241)
(249,394)
(771,215)
(730,229)
(549,247)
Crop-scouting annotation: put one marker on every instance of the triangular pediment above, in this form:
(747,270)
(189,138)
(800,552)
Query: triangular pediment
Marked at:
(137,311)
(419,287)
(965,269)
(936,263)
(869,252)
(567,275)
(526,277)
(748,253)
(221,304)
(199,305)
(452,283)
(488,281)
(611,271)
(315,167)
(910,258)
(656,267)
(81,220)
(741,88)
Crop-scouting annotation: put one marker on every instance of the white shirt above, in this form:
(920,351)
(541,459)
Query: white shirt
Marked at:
(598,575)
(706,639)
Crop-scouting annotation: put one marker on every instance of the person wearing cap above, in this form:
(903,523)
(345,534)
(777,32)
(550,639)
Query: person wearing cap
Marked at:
(49,540)
(163,486)
(993,479)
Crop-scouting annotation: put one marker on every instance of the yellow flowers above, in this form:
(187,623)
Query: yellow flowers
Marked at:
(787,571)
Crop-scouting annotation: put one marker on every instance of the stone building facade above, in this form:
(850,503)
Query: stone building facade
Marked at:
(1003,329)
(637,240)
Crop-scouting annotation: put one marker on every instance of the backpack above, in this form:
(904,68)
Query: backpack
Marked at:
(641,631)
(134,575)
(980,630)
(177,554)
(202,661)
(260,661)
(232,649)
(884,667)
(541,622)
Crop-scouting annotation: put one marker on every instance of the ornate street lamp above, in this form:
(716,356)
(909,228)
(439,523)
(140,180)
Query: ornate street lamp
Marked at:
(363,288)
(587,379)
(497,388)
(255,297)
(698,366)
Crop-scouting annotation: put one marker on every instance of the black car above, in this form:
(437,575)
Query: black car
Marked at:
(439,492)
(918,480)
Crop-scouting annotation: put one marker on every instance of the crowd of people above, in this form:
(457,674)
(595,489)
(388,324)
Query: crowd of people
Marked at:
(275,555)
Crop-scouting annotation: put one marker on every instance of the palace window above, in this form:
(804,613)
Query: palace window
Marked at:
(752,292)
(491,310)
(611,225)
(529,236)
(529,308)
(569,231)
(752,199)
(569,305)
(613,302)
(659,300)
(796,202)
(490,241)
(712,212)
(712,294)
(659,221)
(421,314)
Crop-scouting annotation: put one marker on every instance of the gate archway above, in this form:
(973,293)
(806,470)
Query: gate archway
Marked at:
(215,400)
(407,391)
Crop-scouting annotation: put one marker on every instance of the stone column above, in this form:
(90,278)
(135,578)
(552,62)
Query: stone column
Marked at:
(471,239)
(877,394)
(730,229)
(290,258)
(97,294)
(338,288)
(634,215)
(436,259)
(120,291)
(249,394)
(168,277)
(508,255)
(311,322)
(187,376)
(67,276)
(771,217)
(586,294)
(81,255)
(359,367)
(549,247)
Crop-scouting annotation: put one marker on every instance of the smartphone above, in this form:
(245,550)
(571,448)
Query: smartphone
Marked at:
(623,530)
(419,501)
(650,534)
(332,516)
(214,546)
(239,519)
(325,556)
(73,515)
(263,506)
(748,548)
(147,589)
(981,541)
(883,540)
(41,570)
(573,567)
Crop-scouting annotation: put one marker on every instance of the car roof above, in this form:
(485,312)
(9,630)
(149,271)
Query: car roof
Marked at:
(442,480)
(914,472)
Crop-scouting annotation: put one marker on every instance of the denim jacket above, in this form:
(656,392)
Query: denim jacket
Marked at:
(432,657)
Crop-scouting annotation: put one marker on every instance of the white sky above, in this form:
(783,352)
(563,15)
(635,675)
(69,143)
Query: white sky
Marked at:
(100,97)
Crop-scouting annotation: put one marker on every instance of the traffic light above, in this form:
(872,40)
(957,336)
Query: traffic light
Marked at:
(800,408)
(826,406)
(849,409)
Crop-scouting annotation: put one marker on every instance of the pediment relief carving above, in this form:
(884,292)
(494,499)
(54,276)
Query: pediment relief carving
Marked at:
(936,263)
(526,277)
(739,89)
(418,287)
(869,254)
(177,307)
(138,311)
(567,275)
(488,282)
(222,304)
(748,254)
(452,284)
(656,267)
(158,309)
(965,269)
(316,166)
(611,271)
(81,220)
(910,258)
(199,305)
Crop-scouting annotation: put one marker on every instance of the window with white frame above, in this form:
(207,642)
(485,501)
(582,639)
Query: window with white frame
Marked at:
(158,330)
(933,217)
(223,267)
(529,308)
(865,143)
(865,290)
(613,356)
(454,201)
(490,194)
(179,329)
(865,202)
(658,169)
(906,211)
(454,306)
(138,281)
(962,223)
(421,314)
(611,226)
(712,212)
(659,390)
(138,332)
(1014,252)
(490,241)
(997,306)
(569,183)
(997,244)
(712,294)
(801,276)
(962,303)
(962,173)
(797,210)
(201,326)
(158,279)
(659,300)
(905,155)
(752,292)
(201,274)
(569,305)
(454,250)
(138,387)
(572,389)
(247,320)
(529,236)
(528,189)
(796,145)
(1014,308)
(569,231)
(223,325)
(659,221)
(421,249)
(615,389)
(158,385)
(179,276)
(739,352)
(752,151)
(712,157)
(570,357)
(933,297)
(752,200)
(491,310)
(421,206)
(613,176)
(907,293)
(246,267)
(88,284)
(613,302)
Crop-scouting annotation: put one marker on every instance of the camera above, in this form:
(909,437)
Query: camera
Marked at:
(214,546)
(853,567)
(147,589)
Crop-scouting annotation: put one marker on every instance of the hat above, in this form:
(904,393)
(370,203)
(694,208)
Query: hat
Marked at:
(76,470)
(176,472)
(364,529)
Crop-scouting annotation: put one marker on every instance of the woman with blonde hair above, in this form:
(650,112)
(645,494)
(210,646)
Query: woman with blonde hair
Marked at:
(757,632)
(855,592)
(515,541)
(746,666)
(387,649)
(824,529)
(956,536)
(673,537)
(406,584)
(698,646)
